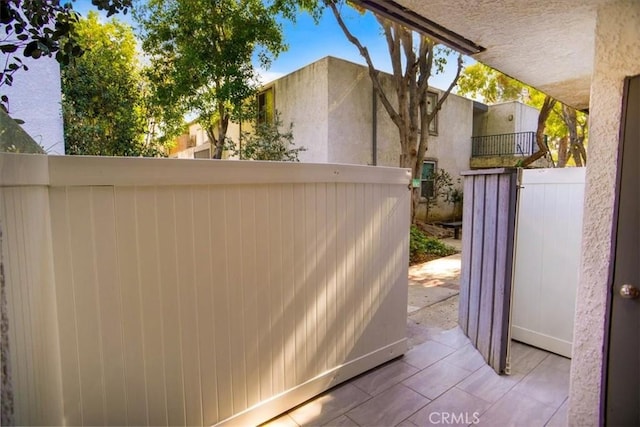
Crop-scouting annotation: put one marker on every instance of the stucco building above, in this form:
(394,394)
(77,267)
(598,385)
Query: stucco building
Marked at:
(338,119)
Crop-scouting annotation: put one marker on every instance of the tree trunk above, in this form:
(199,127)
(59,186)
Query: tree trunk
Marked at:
(217,143)
(579,152)
(411,83)
(563,152)
(576,146)
(547,106)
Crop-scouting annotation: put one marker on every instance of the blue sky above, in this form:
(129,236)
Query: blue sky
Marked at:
(309,42)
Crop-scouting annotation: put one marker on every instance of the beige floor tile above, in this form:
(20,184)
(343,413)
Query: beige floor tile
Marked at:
(487,385)
(524,357)
(282,421)
(560,418)
(341,421)
(388,408)
(453,338)
(467,358)
(548,383)
(406,423)
(436,379)
(426,354)
(516,410)
(384,377)
(329,405)
(453,408)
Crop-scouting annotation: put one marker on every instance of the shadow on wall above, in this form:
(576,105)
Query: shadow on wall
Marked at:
(13,139)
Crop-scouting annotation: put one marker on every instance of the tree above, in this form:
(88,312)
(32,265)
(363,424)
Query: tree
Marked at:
(268,142)
(577,132)
(491,85)
(39,28)
(565,126)
(201,56)
(103,103)
(413,58)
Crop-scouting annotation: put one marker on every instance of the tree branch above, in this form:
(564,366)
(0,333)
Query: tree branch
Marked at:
(547,107)
(449,89)
(373,73)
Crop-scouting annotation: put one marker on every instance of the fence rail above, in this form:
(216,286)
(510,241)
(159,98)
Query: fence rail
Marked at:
(506,144)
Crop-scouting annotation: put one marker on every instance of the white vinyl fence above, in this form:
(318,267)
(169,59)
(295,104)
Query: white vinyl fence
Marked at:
(196,292)
(547,257)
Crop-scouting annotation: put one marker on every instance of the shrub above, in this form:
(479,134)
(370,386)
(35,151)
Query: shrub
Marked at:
(422,247)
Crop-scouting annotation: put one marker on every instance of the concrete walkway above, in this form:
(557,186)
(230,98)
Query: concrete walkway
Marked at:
(433,296)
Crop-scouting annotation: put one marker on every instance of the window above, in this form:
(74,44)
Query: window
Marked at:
(427,185)
(266,106)
(432,101)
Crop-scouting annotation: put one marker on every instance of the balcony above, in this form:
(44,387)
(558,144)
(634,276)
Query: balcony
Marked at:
(503,150)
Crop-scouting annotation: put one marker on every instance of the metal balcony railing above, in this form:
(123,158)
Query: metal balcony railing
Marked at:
(507,144)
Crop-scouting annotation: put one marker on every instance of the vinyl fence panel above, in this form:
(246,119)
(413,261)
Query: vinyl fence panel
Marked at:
(547,257)
(200,292)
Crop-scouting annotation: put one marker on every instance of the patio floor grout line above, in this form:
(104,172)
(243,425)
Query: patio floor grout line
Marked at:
(556,411)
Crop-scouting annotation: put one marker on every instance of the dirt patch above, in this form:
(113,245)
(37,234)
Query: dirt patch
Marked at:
(422,258)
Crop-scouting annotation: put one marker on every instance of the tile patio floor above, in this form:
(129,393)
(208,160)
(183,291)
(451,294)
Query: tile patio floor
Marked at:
(445,377)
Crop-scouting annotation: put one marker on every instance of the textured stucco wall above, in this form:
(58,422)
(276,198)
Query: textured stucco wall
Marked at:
(496,120)
(36,97)
(617,55)
(330,104)
(526,118)
(301,99)
(347,116)
(336,126)
(387,132)
(350,127)
(452,146)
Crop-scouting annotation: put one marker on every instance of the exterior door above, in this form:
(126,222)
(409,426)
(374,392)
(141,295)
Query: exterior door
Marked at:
(623,362)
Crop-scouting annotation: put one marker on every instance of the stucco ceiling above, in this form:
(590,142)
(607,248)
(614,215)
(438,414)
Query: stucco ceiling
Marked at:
(548,44)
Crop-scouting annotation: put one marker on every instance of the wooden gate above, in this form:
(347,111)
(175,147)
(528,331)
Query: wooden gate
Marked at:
(487,263)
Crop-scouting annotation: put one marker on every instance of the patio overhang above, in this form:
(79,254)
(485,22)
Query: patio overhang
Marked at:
(548,44)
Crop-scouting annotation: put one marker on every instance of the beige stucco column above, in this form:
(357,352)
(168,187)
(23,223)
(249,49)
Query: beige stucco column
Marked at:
(616,56)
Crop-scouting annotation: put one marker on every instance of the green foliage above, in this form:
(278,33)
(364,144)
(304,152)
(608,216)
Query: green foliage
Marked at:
(201,56)
(442,186)
(421,246)
(42,28)
(268,142)
(491,86)
(455,197)
(104,108)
